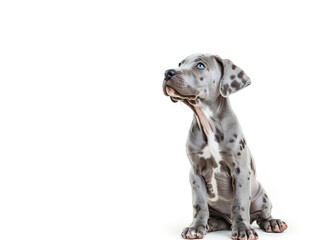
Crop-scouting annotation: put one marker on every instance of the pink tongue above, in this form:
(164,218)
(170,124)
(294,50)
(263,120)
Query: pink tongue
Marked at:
(170,91)
(203,120)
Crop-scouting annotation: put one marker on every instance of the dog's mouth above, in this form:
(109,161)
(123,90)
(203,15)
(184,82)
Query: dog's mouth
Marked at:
(176,96)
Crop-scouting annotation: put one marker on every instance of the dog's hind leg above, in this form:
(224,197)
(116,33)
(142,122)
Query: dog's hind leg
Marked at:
(261,212)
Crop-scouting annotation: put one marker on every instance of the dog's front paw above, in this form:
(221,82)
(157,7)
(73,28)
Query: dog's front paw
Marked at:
(243,232)
(193,232)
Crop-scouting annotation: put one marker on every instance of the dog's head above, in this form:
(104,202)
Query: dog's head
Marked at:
(203,77)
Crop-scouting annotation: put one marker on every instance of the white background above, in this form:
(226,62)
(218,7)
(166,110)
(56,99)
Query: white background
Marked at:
(90,148)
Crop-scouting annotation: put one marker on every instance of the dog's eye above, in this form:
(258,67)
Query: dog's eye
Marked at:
(200,66)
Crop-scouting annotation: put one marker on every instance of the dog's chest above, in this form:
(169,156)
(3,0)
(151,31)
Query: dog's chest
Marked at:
(211,149)
(210,163)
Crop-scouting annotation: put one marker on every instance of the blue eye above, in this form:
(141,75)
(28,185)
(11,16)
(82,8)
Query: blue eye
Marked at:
(200,66)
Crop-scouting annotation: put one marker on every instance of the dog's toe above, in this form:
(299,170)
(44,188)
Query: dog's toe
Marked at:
(274,225)
(243,232)
(194,232)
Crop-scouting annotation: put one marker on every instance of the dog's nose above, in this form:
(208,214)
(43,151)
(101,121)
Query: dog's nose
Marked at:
(169,73)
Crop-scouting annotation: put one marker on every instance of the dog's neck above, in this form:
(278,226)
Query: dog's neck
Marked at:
(211,115)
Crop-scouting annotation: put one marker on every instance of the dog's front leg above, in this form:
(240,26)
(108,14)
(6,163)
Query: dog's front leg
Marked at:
(241,227)
(197,228)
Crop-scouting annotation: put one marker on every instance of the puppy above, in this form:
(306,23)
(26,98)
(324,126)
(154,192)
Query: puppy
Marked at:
(225,192)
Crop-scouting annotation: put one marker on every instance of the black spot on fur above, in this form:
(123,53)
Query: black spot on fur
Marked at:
(265,195)
(241,74)
(201,79)
(248,178)
(232,77)
(240,185)
(224,89)
(196,210)
(242,208)
(242,143)
(235,84)
(233,66)
(264,200)
(235,135)
(238,153)
(231,140)
(238,170)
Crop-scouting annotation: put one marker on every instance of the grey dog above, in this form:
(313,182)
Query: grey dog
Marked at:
(225,192)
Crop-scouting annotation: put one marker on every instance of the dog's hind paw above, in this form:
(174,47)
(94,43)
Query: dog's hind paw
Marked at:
(273,225)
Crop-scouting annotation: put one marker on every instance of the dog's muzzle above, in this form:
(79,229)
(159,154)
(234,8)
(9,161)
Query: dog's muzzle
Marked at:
(175,87)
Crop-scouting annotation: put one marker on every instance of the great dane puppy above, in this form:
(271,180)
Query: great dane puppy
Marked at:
(225,192)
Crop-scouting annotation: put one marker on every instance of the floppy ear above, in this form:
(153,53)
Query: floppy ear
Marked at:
(233,78)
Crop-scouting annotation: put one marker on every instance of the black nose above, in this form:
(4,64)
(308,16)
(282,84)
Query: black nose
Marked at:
(169,73)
